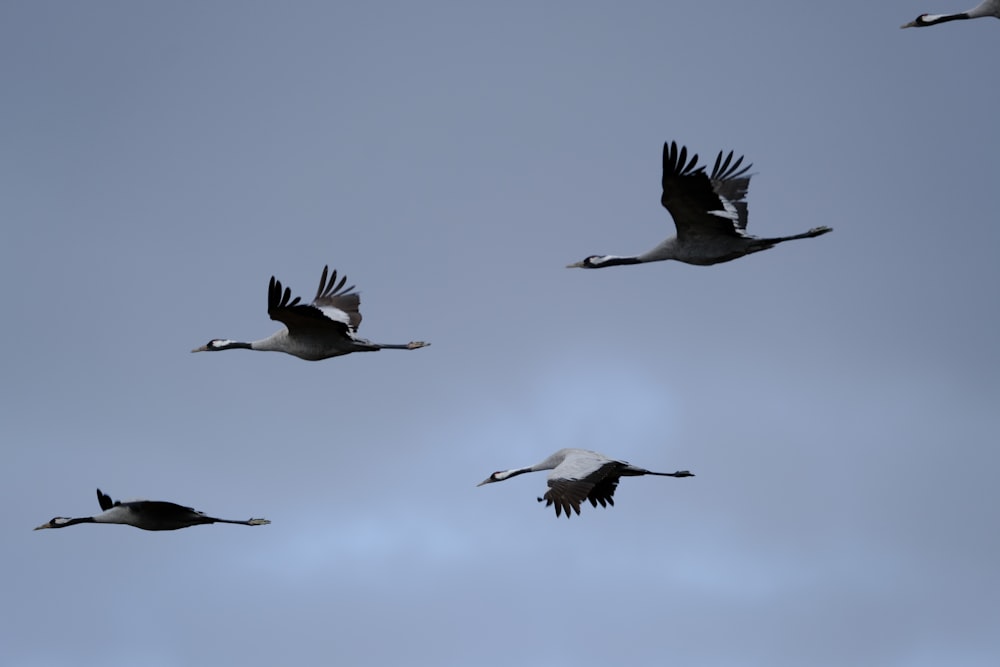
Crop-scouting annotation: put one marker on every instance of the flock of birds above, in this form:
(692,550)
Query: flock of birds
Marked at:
(709,211)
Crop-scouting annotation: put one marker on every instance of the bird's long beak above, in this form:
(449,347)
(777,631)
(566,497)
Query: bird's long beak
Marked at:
(575,265)
(486,481)
(203,348)
(44,525)
(911,24)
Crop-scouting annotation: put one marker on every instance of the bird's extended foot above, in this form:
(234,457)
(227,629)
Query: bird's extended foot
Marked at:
(413,345)
(816,231)
(258,522)
(683,473)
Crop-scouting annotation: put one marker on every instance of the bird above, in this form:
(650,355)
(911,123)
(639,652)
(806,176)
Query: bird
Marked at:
(146,514)
(325,328)
(984,10)
(578,475)
(709,212)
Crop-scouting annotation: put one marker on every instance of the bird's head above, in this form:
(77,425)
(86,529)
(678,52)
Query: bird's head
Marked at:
(214,345)
(918,22)
(498,476)
(591,262)
(56,522)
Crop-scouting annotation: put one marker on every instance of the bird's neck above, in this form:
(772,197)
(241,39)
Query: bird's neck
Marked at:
(73,522)
(934,19)
(615,260)
(513,473)
(279,341)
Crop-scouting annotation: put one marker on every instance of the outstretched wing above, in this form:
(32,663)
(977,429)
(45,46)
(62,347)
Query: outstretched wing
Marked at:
(567,493)
(334,311)
(338,298)
(703,205)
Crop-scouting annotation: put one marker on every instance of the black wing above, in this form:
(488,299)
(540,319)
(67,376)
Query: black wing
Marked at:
(603,491)
(105,500)
(318,317)
(597,487)
(163,515)
(691,195)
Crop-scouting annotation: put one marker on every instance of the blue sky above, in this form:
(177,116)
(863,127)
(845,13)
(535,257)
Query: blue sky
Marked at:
(836,398)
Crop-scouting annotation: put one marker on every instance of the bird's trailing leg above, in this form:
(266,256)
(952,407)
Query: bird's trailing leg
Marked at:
(412,345)
(812,233)
(764,244)
(679,473)
(248,522)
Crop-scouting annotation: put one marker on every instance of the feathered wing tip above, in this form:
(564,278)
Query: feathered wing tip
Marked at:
(327,289)
(104,500)
(722,171)
(277,299)
(604,500)
(561,504)
(675,163)
(675,160)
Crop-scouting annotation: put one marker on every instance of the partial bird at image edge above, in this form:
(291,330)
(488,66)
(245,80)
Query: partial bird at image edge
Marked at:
(984,10)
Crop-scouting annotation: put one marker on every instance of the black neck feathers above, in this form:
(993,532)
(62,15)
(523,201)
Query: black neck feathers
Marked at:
(601,262)
(942,19)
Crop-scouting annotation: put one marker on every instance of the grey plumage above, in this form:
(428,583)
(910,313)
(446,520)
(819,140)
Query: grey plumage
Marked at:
(578,475)
(147,515)
(709,213)
(325,328)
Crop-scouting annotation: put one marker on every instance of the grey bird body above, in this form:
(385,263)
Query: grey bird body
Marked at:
(147,515)
(709,213)
(983,10)
(578,475)
(323,329)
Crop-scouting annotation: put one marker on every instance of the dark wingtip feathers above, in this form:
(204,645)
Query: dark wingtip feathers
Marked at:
(279,296)
(723,171)
(104,500)
(676,162)
(332,287)
(562,506)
